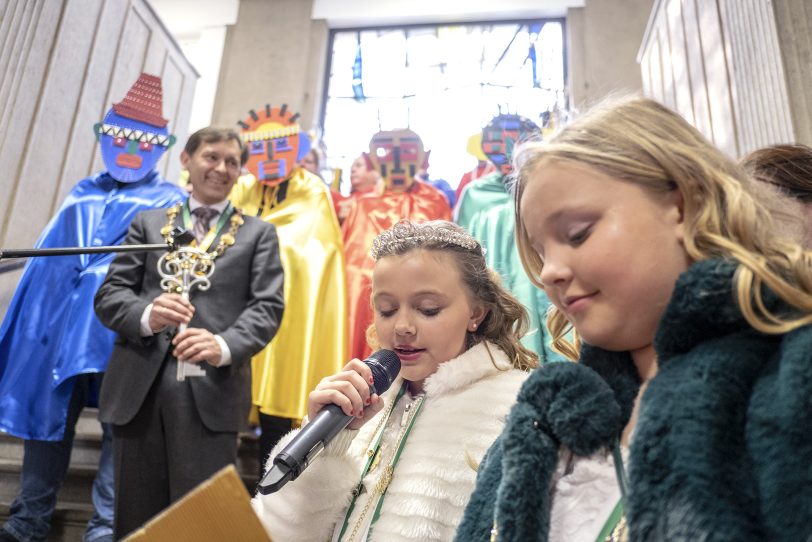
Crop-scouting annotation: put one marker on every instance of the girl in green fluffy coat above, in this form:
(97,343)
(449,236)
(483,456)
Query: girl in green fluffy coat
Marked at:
(694,313)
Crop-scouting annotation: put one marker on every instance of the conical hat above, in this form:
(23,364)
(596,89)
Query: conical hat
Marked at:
(143,102)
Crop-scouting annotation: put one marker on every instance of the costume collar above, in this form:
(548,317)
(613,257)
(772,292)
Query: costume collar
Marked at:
(616,369)
(493,182)
(701,307)
(704,306)
(467,368)
(220,205)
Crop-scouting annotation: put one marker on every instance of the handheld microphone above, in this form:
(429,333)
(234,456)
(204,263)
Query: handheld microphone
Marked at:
(311,440)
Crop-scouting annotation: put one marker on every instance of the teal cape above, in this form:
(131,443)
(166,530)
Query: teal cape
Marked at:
(485,209)
(50,333)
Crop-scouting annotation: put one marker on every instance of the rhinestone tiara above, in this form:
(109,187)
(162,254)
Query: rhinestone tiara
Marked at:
(407,235)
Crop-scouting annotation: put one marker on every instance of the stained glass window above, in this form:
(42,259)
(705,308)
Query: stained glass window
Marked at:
(443,82)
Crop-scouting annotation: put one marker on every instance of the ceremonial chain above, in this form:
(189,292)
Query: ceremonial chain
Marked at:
(373,454)
(369,448)
(226,240)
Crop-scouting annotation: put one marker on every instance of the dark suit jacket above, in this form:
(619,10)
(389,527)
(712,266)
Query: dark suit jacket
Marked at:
(243,305)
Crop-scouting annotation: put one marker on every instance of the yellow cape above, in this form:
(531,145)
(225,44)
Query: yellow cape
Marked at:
(312,339)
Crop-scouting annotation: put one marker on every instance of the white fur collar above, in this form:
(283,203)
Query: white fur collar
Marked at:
(471,366)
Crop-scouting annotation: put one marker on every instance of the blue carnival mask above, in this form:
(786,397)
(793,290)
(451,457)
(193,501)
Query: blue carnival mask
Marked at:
(130,149)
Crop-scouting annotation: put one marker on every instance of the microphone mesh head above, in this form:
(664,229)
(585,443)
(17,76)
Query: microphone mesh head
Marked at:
(385,366)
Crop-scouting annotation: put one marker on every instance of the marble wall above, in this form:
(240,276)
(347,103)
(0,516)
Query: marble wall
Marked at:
(62,65)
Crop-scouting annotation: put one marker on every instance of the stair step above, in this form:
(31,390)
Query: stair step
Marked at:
(74,508)
(86,448)
(75,489)
(88,422)
(78,483)
(68,523)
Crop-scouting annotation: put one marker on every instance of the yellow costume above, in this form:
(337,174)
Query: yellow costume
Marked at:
(312,339)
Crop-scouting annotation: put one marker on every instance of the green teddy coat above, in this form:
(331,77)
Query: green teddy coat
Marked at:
(722,449)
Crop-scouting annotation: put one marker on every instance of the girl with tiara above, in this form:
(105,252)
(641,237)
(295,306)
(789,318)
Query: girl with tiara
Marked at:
(690,315)
(406,466)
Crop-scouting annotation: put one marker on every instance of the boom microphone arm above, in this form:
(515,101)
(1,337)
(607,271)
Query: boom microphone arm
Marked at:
(180,236)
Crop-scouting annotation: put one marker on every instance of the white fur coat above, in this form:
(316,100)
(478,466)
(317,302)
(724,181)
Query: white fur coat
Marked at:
(466,404)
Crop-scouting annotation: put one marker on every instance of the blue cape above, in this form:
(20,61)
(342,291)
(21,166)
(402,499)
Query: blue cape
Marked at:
(50,333)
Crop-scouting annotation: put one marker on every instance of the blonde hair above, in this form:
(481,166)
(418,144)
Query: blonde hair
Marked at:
(506,320)
(641,141)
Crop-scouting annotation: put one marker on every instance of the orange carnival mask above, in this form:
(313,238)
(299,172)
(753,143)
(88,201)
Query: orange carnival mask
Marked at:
(275,143)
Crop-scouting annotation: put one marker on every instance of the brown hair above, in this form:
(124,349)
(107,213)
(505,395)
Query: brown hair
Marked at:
(506,320)
(213,134)
(787,167)
(640,141)
(314,152)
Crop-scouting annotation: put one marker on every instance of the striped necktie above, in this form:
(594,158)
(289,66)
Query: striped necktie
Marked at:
(202,225)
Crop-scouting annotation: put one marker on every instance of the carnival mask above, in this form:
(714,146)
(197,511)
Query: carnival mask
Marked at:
(501,136)
(133,135)
(275,143)
(397,156)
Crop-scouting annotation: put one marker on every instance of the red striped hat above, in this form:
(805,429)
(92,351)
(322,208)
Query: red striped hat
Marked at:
(143,102)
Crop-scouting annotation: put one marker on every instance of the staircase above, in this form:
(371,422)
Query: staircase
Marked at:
(74,508)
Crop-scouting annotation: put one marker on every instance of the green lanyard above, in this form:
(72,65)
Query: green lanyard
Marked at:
(612,522)
(401,445)
(617,514)
(213,232)
(376,449)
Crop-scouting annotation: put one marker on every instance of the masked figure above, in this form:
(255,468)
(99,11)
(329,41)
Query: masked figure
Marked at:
(311,342)
(53,349)
(397,156)
(362,181)
(483,165)
(486,210)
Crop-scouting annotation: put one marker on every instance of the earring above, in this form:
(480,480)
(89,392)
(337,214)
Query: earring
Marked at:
(473,326)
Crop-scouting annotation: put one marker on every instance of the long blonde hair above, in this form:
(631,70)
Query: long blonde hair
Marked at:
(506,321)
(641,141)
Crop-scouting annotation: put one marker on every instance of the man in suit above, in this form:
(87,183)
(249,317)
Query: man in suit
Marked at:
(170,435)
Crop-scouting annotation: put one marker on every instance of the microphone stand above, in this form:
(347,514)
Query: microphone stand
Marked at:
(179,235)
(68,251)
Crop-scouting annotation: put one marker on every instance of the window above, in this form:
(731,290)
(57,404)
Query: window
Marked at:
(443,82)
